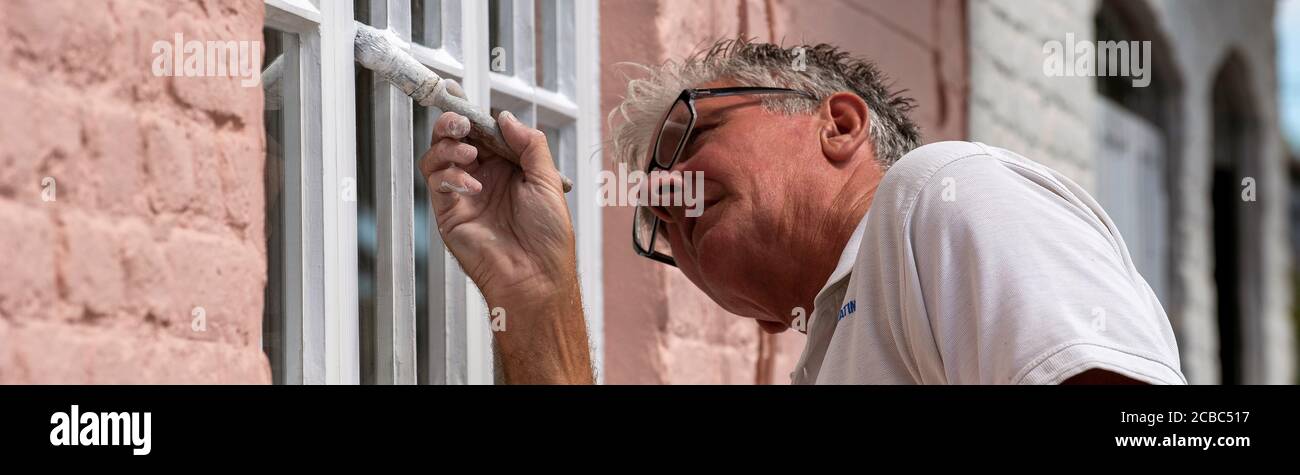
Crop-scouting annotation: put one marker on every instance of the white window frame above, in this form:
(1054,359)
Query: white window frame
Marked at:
(322,315)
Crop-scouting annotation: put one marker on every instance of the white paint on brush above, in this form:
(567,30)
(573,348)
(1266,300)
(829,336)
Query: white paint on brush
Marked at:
(381,51)
(378,50)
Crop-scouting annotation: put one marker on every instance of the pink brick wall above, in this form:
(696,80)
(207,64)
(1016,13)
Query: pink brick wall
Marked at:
(658,327)
(158,208)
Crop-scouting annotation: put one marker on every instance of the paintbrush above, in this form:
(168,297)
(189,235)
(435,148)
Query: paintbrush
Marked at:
(378,53)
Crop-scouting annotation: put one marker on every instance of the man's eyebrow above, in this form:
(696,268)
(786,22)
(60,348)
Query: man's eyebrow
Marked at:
(713,117)
(709,123)
(725,112)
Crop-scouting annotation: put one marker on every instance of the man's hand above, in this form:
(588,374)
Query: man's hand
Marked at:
(509,228)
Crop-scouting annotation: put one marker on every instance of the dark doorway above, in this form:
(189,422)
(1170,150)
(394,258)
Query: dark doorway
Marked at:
(1227,262)
(1236,220)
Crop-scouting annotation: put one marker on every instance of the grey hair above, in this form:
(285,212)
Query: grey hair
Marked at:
(822,70)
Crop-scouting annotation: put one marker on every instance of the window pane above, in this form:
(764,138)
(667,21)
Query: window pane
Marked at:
(361,11)
(280,79)
(559,140)
(545,38)
(367,227)
(367,215)
(422,136)
(426,22)
(553,142)
(501,36)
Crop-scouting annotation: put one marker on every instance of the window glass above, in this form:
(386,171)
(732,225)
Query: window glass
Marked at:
(426,22)
(279,78)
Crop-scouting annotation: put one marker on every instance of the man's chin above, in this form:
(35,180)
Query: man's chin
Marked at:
(772,327)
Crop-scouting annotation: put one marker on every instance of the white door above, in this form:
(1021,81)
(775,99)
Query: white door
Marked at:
(1131,186)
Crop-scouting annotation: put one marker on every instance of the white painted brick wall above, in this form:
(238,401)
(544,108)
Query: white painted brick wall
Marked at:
(1013,104)
(1052,120)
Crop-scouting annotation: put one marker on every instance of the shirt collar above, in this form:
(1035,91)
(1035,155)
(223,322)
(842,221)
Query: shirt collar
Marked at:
(817,330)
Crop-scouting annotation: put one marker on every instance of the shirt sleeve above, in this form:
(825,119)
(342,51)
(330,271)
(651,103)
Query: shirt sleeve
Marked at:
(1022,281)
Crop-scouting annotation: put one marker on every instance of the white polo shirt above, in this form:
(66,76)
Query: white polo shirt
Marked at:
(975,265)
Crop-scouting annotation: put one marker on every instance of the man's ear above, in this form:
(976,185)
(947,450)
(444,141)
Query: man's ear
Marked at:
(847,126)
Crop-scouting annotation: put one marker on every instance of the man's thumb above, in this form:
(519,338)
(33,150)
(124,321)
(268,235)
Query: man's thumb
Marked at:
(528,143)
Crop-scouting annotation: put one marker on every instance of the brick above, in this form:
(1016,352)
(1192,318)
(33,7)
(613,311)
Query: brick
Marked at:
(36,141)
(140,83)
(222,276)
(913,18)
(683,30)
(145,272)
(27,286)
(224,101)
(65,40)
(208,168)
(695,362)
(894,50)
(113,162)
(54,353)
(169,162)
(92,277)
(244,187)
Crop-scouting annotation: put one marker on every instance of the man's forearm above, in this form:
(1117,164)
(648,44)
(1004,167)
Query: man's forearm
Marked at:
(545,339)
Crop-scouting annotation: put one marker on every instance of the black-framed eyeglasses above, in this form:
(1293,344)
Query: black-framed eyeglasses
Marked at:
(674,133)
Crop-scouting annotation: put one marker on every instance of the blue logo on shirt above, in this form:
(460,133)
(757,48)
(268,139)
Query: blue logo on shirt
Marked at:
(848,309)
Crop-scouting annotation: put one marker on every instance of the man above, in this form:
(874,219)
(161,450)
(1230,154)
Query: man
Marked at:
(952,263)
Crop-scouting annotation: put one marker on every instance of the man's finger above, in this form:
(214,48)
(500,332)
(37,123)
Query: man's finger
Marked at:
(448,185)
(454,180)
(450,125)
(447,152)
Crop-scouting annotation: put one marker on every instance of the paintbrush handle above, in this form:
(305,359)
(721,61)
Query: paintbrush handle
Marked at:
(484,131)
(483,128)
(375,52)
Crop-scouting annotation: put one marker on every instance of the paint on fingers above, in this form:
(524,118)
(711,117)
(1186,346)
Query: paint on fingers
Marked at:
(458,127)
(468,187)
